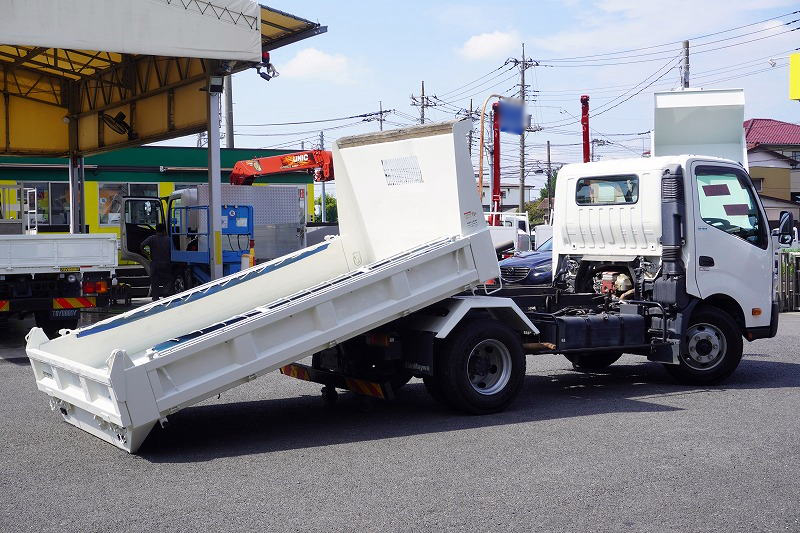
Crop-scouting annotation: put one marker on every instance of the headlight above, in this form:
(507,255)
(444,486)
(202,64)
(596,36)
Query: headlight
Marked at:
(546,267)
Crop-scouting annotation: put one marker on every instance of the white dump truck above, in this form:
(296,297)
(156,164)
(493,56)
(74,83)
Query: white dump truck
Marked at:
(397,294)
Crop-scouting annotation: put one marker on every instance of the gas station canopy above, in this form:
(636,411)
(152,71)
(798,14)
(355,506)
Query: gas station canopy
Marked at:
(85,76)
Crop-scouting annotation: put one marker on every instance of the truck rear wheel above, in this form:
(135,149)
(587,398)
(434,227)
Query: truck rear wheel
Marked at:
(713,348)
(52,326)
(482,367)
(593,360)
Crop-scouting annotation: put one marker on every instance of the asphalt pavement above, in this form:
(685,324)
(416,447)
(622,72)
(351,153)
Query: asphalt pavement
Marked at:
(623,450)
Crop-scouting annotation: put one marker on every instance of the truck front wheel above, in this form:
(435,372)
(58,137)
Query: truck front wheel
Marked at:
(713,348)
(482,367)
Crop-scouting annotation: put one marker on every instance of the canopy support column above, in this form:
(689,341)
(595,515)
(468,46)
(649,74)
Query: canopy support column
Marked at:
(214,180)
(76,177)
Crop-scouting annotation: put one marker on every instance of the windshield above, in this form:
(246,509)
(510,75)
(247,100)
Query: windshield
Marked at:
(547,246)
(728,203)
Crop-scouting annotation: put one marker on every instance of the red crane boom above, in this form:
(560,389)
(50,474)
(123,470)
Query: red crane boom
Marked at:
(319,162)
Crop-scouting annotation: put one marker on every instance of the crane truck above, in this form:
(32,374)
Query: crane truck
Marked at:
(666,257)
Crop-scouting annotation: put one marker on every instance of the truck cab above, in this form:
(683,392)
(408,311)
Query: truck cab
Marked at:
(680,238)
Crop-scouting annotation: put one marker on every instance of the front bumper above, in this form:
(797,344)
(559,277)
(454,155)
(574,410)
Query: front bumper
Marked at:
(765,332)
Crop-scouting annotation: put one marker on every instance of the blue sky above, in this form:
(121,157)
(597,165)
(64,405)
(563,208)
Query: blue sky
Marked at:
(381,50)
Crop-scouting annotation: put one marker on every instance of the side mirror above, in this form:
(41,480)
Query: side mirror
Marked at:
(785,228)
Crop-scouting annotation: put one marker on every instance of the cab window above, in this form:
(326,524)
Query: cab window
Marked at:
(727,202)
(607,190)
(143,212)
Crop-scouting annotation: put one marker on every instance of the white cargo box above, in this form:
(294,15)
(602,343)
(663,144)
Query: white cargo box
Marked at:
(42,253)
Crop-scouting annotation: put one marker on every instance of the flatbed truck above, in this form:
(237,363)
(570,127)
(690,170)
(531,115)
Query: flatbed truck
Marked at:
(50,276)
(396,296)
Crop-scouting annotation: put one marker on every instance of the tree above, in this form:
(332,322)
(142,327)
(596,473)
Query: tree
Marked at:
(551,183)
(537,213)
(331,212)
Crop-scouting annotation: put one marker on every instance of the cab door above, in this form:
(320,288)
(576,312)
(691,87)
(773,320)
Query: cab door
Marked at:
(732,252)
(141,217)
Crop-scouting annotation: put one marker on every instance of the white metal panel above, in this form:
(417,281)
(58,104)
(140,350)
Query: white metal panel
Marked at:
(394,182)
(222,29)
(623,230)
(700,122)
(272,204)
(49,253)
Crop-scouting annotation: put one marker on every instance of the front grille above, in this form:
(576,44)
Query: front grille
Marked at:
(514,274)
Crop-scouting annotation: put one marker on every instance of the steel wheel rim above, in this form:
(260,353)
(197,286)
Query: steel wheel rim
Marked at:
(706,346)
(489,367)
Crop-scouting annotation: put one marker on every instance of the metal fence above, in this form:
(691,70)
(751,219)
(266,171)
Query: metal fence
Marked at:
(789,280)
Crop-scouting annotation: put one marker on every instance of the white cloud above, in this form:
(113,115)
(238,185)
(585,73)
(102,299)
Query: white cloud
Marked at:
(490,45)
(313,64)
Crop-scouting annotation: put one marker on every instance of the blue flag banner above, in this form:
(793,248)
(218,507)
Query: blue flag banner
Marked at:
(512,116)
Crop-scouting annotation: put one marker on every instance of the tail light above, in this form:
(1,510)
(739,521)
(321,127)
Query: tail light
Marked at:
(95,287)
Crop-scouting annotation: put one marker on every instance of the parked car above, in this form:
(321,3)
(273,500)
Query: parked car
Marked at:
(529,268)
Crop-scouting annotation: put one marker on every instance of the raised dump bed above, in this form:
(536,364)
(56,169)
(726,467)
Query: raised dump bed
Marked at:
(117,378)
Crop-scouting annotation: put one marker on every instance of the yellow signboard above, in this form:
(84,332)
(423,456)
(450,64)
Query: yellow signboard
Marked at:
(794,76)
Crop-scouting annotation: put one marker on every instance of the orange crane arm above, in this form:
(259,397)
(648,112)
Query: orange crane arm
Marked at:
(245,172)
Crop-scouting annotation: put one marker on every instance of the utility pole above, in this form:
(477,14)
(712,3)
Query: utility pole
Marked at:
(522,68)
(523,64)
(229,143)
(471,128)
(549,186)
(422,102)
(685,64)
(380,114)
(324,198)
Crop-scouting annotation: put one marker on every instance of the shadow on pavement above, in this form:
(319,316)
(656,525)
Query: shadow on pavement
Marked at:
(212,431)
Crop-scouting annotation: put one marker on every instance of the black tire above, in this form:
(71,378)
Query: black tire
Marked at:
(481,367)
(181,283)
(588,361)
(714,348)
(435,389)
(51,327)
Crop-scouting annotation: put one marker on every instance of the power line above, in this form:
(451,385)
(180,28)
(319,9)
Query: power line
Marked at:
(674,42)
(473,81)
(362,115)
(286,134)
(602,109)
(662,52)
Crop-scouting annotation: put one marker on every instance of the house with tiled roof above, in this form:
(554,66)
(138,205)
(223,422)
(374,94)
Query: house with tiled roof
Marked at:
(773,155)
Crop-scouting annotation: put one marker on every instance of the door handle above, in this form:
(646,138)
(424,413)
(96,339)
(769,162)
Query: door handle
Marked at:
(706,261)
